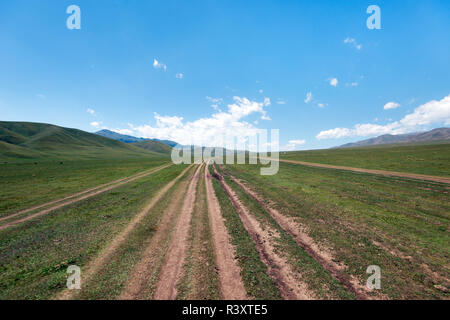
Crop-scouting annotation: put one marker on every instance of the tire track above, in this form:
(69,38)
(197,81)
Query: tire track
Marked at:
(231,284)
(289,283)
(416,176)
(145,268)
(172,270)
(90,193)
(325,258)
(94,266)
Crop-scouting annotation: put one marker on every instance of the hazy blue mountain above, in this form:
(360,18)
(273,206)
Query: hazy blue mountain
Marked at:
(432,135)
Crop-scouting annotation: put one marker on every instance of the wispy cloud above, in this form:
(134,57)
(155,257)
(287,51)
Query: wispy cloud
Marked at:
(309,97)
(215,102)
(353,42)
(391,105)
(179,76)
(433,112)
(159,65)
(281,101)
(293,144)
(96,124)
(41,96)
(333,82)
(91,111)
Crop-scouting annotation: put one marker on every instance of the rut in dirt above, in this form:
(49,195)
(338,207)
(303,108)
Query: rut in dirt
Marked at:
(231,284)
(288,281)
(136,286)
(93,267)
(324,258)
(81,196)
(172,269)
(386,173)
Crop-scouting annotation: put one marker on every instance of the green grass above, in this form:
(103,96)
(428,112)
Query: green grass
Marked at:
(200,281)
(30,142)
(154,146)
(431,159)
(351,213)
(253,271)
(34,256)
(109,282)
(313,274)
(24,185)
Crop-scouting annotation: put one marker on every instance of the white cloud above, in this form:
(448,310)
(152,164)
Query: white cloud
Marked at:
(353,42)
(322,105)
(179,76)
(261,91)
(333,133)
(297,142)
(158,65)
(95,124)
(90,111)
(281,101)
(292,144)
(309,97)
(206,131)
(215,102)
(333,82)
(123,131)
(433,112)
(352,84)
(391,105)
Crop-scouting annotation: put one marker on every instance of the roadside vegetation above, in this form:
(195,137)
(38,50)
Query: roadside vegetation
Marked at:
(34,256)
(25,185)
(430,158)
(253,271)
(399,224)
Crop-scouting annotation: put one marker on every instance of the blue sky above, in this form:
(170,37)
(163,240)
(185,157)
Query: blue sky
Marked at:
(311,69)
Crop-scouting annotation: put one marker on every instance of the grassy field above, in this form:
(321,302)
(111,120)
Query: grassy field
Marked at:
(34,256)
(399,224)
(431,159)
(348,221)
(27,184)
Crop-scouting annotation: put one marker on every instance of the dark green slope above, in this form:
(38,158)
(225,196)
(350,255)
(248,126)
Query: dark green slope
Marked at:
(26,140)
(154,146)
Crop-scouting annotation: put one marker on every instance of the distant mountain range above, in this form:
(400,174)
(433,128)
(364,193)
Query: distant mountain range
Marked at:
(130,139)
(417,137)
(27,140)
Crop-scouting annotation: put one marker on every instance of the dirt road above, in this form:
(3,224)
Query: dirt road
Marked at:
(94,266)
(323,256)
(373,171)
(84,195)
(289,282)
(231,285)
(172,270)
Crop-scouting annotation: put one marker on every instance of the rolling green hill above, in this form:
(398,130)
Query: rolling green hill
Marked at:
(26,141)
(154,146)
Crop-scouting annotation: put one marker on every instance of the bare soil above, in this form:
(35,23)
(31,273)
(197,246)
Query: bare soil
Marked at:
(289,282)
(172,270)
(145,268)
(319,253)
(231,285)
(94,266)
